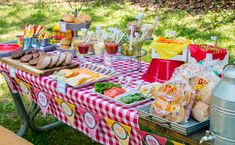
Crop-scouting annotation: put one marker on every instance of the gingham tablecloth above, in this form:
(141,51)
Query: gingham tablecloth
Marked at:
(86,99)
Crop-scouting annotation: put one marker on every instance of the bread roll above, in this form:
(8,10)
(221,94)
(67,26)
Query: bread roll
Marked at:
(177,116)
(200,111)
(82,18)
(67,18)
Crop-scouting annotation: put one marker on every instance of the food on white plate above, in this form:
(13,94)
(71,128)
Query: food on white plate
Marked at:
(131,98)
(109,89)
(67,18)
(173,101)
(200,111)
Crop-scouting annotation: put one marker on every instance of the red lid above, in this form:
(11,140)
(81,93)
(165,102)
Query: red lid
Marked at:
(9,47)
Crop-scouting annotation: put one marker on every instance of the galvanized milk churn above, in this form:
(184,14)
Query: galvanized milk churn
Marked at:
(222,114)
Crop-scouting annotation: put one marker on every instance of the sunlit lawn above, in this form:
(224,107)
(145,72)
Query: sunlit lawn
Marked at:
(196,27)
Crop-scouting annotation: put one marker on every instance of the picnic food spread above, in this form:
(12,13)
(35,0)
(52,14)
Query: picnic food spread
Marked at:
(183,98)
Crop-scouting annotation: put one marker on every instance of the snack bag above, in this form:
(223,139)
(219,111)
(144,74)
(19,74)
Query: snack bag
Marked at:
(174,101)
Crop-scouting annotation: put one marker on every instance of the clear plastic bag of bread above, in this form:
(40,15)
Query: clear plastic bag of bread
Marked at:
(174,101)
(203,85)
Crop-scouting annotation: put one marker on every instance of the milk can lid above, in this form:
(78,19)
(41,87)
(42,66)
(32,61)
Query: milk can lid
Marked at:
(229,71)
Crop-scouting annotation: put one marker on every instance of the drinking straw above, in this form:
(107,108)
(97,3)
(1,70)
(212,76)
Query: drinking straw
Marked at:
(90,33)
(120,38)
(140,18)
(155,22)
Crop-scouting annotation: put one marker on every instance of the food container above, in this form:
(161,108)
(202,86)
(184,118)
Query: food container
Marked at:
(129,92)
(83,48)
(76,41)
(197,53)
(111,47)
(20,40)
(99,48)
(126,49)
(28,42)
(91,46)
(108,72)
(160,70)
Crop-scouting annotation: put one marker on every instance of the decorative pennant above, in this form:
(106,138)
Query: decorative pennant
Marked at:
(43,100)
(91,120)
(9,81)
(176,143)
(67,108)
(121,131)
(24,87)
(151,139)
(12,72)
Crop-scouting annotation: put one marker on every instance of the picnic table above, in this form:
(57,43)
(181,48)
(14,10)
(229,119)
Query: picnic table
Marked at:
(85,98)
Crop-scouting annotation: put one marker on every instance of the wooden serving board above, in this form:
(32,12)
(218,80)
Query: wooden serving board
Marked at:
(32,69)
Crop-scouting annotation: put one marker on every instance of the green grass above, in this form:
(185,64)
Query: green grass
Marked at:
(198,27)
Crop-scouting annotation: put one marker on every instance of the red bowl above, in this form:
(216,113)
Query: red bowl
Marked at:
(160,70)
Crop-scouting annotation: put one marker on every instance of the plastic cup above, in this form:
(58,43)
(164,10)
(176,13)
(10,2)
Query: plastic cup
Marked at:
(83,48)
(99,48)
(111,47)
(20,40)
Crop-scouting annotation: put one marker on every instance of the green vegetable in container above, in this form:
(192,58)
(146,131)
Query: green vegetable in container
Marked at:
(101,87)
(132,98)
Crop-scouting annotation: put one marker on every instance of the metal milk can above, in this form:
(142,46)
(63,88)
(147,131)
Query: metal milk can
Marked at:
(222,114)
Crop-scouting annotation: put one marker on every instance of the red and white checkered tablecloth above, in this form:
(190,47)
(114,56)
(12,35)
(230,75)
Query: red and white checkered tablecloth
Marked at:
(86,99)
